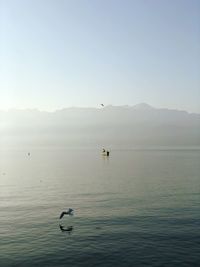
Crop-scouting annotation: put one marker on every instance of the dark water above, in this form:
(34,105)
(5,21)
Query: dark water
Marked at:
(135,208)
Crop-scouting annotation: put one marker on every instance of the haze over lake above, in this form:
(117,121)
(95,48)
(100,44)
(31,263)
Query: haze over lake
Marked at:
(137,207)
(116,127)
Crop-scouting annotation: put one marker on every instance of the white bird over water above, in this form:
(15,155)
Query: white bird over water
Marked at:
(69,212)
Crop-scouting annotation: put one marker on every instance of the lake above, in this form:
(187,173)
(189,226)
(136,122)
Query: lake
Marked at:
(135,208)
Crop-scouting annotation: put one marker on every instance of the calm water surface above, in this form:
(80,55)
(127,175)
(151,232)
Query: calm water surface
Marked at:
(135,208)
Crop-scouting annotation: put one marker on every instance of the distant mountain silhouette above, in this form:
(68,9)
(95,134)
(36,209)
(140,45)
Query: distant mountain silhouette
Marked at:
(143,106)
(112,126)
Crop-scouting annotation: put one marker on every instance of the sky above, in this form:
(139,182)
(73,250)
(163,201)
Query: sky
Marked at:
(61,53)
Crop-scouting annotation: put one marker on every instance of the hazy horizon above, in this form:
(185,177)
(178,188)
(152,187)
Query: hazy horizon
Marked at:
(138,105)
(111,126)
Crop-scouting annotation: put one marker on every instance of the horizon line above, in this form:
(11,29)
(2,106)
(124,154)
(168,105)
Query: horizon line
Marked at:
(148,107)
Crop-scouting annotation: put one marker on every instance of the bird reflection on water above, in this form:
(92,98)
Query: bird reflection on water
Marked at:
(67,229)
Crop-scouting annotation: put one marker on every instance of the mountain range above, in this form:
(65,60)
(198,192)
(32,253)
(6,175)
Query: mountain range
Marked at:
(111,126)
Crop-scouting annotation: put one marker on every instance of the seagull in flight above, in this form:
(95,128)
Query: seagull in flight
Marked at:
(102,105)
(69,212)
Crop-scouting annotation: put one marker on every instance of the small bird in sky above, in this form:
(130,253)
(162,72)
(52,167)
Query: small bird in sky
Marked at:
(102,105)
(69,212)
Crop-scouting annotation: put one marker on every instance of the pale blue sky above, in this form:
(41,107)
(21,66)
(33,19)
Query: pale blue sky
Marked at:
(60,53)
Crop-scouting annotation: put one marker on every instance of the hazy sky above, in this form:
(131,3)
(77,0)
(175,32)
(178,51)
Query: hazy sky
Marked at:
(60,53)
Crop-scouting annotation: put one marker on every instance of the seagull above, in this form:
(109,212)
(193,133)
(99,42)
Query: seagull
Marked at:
(102,105)
(69,212)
